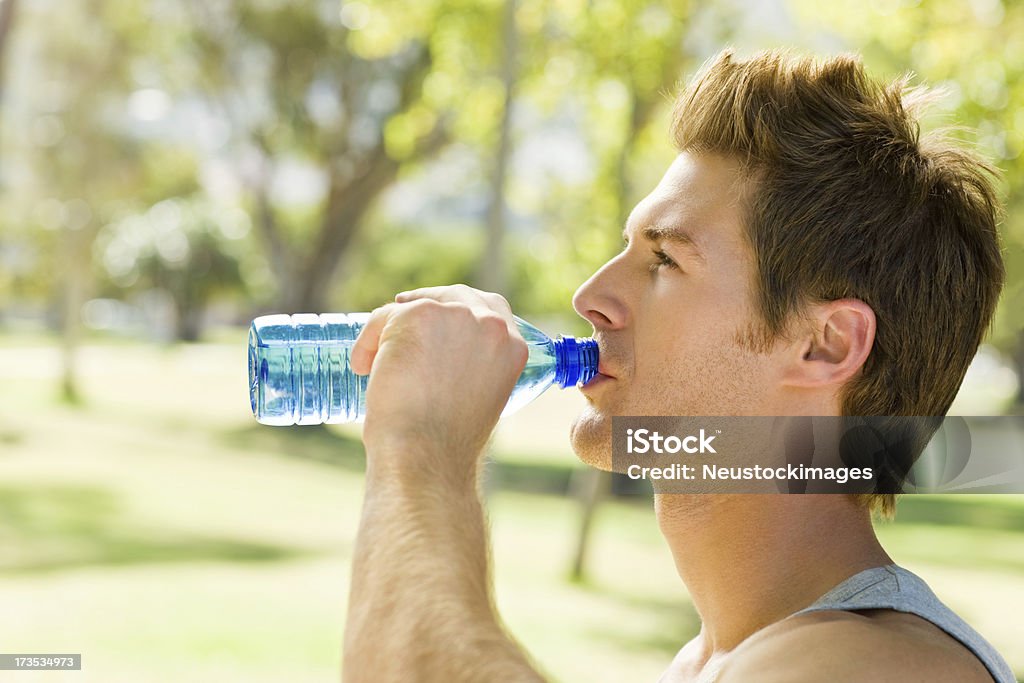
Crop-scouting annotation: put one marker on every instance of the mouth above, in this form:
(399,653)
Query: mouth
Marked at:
(604,375)
(599,379)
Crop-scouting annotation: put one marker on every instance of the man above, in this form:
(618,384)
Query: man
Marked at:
(808,248)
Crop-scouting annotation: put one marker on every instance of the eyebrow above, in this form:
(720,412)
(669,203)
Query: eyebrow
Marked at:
(658,233)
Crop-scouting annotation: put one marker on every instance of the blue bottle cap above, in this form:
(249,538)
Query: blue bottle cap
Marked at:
(575,361)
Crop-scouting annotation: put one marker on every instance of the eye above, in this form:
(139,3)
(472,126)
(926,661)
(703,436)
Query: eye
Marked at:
(663,259)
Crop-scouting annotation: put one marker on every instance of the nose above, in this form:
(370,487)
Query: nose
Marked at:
(599,299)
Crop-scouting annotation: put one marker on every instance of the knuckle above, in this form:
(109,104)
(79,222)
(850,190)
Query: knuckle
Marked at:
(494,325)
(379,316)
(459,309)
(423,309)
(513,348)
(503,342)
(497,300)
(424,305)
(520,350)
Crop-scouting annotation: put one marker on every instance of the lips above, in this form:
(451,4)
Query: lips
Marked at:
(603,370)
(604,374)
(591,388)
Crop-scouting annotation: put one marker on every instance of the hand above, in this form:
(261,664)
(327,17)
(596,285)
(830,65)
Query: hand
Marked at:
(444,360)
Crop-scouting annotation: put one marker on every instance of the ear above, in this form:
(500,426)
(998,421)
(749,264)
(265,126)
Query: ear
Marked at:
(834,346)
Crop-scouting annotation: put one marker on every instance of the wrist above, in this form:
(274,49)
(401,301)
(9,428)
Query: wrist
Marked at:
(414,468)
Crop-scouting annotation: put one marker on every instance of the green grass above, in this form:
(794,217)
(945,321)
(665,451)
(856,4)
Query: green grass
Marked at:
(160,532)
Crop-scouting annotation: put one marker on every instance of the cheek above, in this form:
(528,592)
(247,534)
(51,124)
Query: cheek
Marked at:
(700,370)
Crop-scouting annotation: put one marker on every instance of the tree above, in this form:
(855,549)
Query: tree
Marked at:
(7,14)
(492,272)
(185,247)
(94,162)
(348,105)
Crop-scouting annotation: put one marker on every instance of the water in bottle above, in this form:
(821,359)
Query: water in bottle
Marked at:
(299,369)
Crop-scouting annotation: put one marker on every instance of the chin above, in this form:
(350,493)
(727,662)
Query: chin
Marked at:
(591,437)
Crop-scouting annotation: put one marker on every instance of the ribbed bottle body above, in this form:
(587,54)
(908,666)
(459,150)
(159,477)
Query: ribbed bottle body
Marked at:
(299,370)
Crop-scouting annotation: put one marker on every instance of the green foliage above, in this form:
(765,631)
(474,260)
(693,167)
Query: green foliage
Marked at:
(86,163)
(298,82)
(394,258)
(619,63)
(188,248)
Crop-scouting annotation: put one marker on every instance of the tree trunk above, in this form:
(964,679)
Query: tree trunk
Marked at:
(492,275)
(7,8)
(347,205)
(267,233)
(590,486)
(76,247)
(188,319)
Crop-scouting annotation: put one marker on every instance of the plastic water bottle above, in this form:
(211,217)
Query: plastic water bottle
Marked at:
(299,369)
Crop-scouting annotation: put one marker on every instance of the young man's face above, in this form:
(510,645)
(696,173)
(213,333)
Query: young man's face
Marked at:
(676,340)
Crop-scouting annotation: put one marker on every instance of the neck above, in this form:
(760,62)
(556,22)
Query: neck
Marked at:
(751,560)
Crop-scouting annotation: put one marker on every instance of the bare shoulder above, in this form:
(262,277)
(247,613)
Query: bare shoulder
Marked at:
(873,645)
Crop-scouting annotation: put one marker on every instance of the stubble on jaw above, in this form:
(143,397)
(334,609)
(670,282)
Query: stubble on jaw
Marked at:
(591,438)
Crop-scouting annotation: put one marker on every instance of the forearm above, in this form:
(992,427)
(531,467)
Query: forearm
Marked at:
(420,605)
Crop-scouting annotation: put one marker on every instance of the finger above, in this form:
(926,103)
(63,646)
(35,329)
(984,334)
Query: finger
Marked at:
(497,302)
(368,342)
(482,304)
(445,294)
(460,293)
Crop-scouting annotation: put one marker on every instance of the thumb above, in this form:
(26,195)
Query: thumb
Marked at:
(368,342)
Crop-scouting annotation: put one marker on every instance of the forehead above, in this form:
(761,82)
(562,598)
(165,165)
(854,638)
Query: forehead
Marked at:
(700,195)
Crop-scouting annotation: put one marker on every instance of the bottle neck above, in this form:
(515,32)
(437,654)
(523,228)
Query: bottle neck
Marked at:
(575,361)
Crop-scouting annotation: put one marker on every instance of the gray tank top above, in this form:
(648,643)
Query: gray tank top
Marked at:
(895,588)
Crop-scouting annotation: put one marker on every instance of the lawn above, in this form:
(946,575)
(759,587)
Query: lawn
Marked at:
(160,532)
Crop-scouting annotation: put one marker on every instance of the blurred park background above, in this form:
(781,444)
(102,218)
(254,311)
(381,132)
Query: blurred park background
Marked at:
(170,169)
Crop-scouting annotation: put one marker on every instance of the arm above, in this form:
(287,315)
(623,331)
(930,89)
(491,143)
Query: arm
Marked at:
(420,604)
(420,597)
